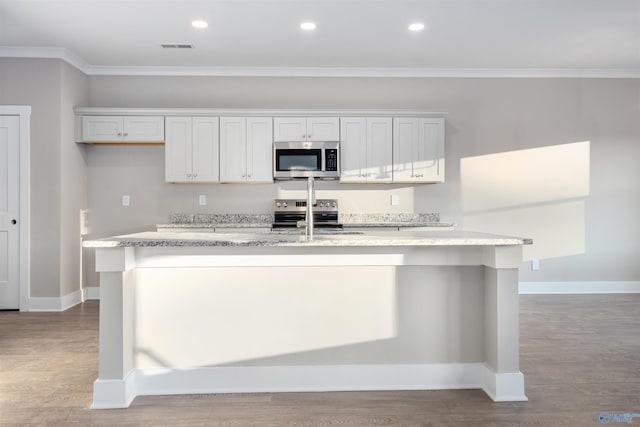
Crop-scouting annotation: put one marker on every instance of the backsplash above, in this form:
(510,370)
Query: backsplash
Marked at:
(200,218)
(266,218)
(350,218)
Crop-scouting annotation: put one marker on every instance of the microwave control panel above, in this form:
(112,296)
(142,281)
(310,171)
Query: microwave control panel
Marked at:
(331,159)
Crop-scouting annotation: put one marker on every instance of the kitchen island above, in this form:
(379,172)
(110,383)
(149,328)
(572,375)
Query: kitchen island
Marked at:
(184,313)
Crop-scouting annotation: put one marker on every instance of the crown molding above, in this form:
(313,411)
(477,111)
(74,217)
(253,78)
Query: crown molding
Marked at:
(46,53)
(107,70)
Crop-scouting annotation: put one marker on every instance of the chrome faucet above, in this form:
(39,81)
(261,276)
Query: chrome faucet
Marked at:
(311,200)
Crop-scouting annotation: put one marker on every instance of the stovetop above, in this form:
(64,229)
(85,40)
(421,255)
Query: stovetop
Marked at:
(287,213)
(300,205)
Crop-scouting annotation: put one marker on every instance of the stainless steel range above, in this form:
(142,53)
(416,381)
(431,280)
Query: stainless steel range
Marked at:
(287,213)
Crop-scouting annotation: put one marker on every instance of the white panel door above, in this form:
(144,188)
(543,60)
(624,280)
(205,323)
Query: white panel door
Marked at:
(323,129)
(233,149)
(286,129)
(102,128)
(143,129)
(406,136)
(379,149)
(353,149)
(418,149)
(260,149)
(178,150)
(9,212)
(430,167)
(206,148)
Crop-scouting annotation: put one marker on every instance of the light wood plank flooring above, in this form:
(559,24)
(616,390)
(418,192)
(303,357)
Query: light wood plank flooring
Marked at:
(580,356)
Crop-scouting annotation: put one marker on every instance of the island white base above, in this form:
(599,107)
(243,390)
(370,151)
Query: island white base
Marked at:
(273,379)
(152,342)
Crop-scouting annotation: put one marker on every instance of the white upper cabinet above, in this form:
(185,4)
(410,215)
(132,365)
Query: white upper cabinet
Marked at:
(135,129)
(287,129)
(418,150)
(191,149)
(246,149)
(366,146)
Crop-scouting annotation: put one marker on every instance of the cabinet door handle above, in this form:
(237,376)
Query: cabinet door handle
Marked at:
(126,134)
(14,222)
(119,133)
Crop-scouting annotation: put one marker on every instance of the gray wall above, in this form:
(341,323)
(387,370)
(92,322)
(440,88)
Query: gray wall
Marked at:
(504,171)
(579,200)
(73,179)
(52,88)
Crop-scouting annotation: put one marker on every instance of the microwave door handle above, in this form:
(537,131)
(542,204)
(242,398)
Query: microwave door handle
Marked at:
(323,159)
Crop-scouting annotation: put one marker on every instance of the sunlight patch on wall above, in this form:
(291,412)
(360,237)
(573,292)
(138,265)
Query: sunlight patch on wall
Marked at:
(537,193)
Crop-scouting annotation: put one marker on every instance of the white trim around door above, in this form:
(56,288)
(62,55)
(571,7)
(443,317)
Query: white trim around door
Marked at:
(24,113)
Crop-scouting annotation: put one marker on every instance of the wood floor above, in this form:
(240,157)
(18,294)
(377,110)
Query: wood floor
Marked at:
(580,356)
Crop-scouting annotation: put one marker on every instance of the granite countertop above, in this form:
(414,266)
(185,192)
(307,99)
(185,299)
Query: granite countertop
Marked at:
(266,239)
(213,221)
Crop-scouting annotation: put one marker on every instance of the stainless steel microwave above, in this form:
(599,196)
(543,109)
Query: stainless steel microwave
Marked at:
(299,160)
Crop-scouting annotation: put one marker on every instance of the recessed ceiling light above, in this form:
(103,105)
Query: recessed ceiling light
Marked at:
(308,26)
(416,26)
(200,24)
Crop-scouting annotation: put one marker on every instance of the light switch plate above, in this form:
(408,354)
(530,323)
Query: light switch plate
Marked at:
(535,264)
(202,200)
(395,200)
(126,200)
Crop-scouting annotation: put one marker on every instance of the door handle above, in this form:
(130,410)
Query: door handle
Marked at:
(14,222)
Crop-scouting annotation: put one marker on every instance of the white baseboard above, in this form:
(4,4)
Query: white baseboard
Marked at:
(579,287)
(526,288)
(111,394)
(273,379)
(54,303)
(91,292)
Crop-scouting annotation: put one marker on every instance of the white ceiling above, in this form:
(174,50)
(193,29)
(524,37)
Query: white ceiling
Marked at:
(353,37)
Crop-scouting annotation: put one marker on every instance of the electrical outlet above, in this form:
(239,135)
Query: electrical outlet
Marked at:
(84,221)
(202,200)
(395,200)
(535,264)
(126,200)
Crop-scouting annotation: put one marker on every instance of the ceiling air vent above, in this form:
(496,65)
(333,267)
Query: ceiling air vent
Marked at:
(177,46)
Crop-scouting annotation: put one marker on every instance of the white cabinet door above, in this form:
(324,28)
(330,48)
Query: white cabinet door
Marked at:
(233,149)
(366,149)
(246,149)
(323,129)
(102,128)
(260,149)
(353,149)
(178,149)
(431,164)
(379,149)
(143,129)
(418,150)
(191,149)
(287,129)
(206,147)
(138,129)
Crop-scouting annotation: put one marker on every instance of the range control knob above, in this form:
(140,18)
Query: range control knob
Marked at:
(278,204)
(335,205)
(284,204)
